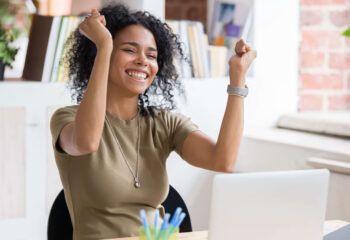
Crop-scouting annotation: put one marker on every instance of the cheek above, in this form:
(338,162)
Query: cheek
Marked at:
(155,68)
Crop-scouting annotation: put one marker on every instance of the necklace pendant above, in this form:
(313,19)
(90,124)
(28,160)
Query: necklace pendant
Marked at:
(137,184)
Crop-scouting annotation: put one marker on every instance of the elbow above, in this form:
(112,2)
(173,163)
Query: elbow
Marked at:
(226,166)
(93,147)
(226,169)
(87,147)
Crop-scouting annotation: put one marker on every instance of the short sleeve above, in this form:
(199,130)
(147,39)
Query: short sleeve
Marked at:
(59,119)
(180,127)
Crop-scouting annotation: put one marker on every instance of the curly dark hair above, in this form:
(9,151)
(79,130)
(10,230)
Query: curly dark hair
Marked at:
(80,54)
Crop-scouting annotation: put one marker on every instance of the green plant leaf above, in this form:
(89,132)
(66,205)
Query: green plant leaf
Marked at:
(7,53)
(346,33)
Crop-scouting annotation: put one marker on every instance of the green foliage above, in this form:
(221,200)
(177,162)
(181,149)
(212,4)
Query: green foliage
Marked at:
(14,22)
(346,33)
(7,53)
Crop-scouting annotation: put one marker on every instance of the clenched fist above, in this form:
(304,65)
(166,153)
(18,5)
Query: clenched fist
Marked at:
(94,28)
(240,63)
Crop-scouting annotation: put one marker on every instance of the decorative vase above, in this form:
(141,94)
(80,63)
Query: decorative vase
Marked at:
(2,71)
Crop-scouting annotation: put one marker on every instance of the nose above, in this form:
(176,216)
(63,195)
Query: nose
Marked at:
(141,59)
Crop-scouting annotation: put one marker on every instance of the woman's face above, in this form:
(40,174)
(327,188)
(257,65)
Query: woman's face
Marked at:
(134,60)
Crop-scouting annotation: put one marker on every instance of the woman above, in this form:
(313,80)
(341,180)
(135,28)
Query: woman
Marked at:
(111,148)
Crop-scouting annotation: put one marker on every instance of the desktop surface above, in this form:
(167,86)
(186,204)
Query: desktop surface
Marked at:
(329,227)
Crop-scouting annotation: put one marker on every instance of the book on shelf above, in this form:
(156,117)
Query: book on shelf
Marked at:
(195,47)
(37,46)
(212,60)
(230,21)
(47,38)
(218,64)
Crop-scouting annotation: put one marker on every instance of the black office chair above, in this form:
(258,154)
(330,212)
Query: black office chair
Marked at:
(60,225)
(173,201)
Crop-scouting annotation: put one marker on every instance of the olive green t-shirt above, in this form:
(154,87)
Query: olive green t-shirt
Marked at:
(99,187)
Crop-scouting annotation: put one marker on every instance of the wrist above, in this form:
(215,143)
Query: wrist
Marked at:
(238,82)
(105,47)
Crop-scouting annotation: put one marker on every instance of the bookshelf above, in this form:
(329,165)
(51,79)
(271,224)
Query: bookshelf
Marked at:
(49,33)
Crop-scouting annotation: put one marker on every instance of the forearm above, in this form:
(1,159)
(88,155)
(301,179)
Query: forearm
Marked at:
(228,142)
(90,116)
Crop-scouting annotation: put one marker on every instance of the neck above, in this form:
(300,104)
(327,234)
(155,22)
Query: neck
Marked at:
(121,106)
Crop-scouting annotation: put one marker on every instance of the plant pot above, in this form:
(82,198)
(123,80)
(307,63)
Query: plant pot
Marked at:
(2,71)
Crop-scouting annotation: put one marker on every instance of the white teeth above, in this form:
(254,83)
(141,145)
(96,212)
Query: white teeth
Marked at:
(138,75)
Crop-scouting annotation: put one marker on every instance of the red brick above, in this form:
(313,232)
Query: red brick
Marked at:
(311,59)
(340,18)
(321,81)
(339,102)
(310,17)
(321,39)
(322,2)
(310,102)
(339,61)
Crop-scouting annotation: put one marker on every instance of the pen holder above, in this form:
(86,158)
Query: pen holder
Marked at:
(167,234)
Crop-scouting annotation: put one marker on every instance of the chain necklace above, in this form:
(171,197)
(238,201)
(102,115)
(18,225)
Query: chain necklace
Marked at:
(136,176)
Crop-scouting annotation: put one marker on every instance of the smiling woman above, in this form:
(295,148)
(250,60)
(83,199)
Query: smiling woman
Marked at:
(81,53)
(111,148)
(133,61)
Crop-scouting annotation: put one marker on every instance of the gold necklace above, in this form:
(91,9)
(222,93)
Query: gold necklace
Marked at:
(136,176)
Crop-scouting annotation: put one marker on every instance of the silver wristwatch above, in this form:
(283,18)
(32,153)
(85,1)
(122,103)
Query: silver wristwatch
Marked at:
(238,91)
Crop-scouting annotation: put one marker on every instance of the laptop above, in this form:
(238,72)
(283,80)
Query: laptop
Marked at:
(288,205)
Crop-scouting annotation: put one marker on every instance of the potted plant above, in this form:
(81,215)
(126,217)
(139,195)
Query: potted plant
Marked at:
(7,53)
(14,22)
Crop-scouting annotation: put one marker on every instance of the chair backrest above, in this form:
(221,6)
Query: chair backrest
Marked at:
(60,225)
(173,201)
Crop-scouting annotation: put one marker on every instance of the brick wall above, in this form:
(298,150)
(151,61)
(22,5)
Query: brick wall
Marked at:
(195,10)
(324,55)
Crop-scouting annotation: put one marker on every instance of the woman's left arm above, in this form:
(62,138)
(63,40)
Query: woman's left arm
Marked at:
(199,149)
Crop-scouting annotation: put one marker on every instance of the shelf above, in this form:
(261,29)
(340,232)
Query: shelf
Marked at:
(32,94)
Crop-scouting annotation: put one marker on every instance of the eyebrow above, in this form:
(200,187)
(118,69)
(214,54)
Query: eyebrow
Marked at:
(136,45)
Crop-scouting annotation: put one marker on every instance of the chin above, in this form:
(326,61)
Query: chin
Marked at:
(137,88)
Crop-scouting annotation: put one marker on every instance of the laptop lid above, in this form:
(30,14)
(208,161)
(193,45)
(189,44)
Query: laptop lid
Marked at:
(286,205)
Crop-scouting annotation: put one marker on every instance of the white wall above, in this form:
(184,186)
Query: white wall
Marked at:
(276,68)
(273,91)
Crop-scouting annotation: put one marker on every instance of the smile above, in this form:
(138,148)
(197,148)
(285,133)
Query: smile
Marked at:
(137,75)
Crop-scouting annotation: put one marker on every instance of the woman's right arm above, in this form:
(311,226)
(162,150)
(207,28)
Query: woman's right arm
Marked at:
(83,135)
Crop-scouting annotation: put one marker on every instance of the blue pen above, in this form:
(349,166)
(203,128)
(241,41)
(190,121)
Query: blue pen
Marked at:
(145,224)
(164,226)
(175,216)
(181,218)
(177,223)
(155,228)
(165,221)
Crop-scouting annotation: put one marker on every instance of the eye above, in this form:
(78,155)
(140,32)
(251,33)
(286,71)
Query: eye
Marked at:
(152,56)
(129,50)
